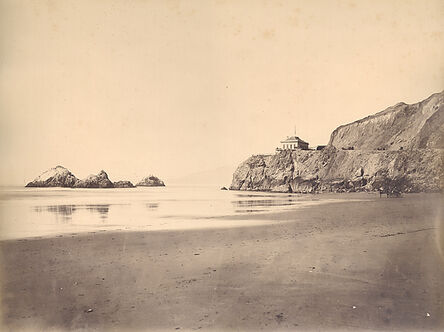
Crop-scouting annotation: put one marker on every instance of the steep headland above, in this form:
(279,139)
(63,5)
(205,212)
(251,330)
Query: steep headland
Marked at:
(416,126)
(398,149)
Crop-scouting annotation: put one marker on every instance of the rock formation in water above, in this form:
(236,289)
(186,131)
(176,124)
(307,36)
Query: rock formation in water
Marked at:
(58,176)
(100,180)
(151,181)
(61,177)
(400,148)
(123,184)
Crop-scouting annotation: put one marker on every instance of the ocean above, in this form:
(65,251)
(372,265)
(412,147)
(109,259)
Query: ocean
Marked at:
(34,212)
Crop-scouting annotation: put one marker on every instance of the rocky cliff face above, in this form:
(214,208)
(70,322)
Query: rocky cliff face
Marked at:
(100,180)
(416,126)
(363,155)
(58,176)
(150,181)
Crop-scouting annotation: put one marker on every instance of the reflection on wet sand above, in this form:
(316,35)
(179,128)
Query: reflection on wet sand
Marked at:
(249,211)
(66,211)
(152,206)
(102,209)
(263,203)
(271,195)
(63,210)
(259,202)
(278,196)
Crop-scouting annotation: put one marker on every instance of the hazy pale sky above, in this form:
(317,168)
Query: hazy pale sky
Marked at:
(178,87)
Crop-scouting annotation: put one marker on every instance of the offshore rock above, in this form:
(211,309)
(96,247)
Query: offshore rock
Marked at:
(151,181)
(100,180)
(123,184)
(58,176)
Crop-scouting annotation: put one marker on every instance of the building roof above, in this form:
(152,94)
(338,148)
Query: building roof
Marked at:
(293,139)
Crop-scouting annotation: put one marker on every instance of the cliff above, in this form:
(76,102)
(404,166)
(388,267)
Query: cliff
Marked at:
(416,126)
(361,156)
(58,176)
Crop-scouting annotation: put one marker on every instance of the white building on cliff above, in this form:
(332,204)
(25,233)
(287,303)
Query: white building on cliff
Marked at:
(293,143)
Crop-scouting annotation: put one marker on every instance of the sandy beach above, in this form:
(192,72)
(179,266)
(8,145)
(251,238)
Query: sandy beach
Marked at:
(343,266)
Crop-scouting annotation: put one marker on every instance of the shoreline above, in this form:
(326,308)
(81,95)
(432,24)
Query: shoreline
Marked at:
(349,266)
(235,219)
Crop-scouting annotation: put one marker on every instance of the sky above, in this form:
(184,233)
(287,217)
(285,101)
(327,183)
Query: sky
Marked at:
(174,88)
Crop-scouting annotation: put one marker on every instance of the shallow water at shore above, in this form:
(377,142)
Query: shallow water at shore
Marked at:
(30,212)
(363,264)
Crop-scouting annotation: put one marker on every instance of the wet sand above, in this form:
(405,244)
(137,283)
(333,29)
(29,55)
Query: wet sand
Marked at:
(342,266)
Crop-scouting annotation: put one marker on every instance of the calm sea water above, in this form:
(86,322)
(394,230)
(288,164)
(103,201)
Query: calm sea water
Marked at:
(30,212)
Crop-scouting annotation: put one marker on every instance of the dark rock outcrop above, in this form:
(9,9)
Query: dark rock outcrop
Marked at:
(100,180)
(151,181)
(123,184)
(58,176)
(375,162)
(61,177)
